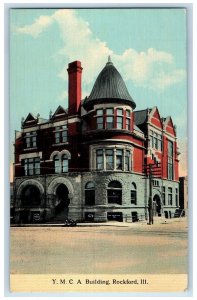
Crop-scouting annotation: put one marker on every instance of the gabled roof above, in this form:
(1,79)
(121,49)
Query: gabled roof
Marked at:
(29,121)
(140,116)
(59,112)
(30,117)
(168,122)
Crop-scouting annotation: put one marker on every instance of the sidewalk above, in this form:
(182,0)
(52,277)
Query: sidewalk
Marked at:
(157,221)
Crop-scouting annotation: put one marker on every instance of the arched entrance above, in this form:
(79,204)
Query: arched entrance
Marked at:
(62,202)
(30,200)
(30,196)
(157,205)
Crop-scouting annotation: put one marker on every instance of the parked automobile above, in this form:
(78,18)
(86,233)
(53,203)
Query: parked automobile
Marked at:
(70,223)
(179,213)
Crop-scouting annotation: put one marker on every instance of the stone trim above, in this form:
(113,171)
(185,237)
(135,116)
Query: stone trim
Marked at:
(30,182)
(59,154)
(51,190)
(30,155)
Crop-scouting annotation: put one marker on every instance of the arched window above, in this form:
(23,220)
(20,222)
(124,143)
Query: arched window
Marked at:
(57,164)
(64,163)
(114,192)
(133,193)
(90,193)
(61,163)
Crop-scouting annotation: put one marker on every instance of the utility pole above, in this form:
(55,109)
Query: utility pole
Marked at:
(150,202)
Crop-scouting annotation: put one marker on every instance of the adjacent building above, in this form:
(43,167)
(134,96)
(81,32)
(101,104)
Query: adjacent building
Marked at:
(92,161)
(183,192)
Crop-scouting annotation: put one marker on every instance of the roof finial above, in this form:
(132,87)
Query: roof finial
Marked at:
(109,62)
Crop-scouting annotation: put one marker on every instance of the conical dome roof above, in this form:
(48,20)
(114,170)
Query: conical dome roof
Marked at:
(109,85)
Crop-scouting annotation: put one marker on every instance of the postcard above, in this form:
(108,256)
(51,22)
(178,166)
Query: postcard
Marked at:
(98,150)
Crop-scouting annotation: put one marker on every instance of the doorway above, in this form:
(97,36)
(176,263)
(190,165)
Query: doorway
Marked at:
(62,202)
(157,206)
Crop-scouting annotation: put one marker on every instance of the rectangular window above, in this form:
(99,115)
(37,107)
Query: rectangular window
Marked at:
(99,119)
(170,160)
(109,118)
(164,195)
(119,118)
(31,166)
(151,138)
(127,160)
(99,122)
(99,112)
(31,139)
(61,134)
(37,165)
(119,159)
(128,127)
(109,111)
(120,122)
(169,196)
(128,113)
(176,198)
(133,197)
(155,141)
(128,120)
(65,165)
(57,137)
(57,166)
(170,149)
(159,142)
(119,111)
(109,122)
(109,159)
(99,159)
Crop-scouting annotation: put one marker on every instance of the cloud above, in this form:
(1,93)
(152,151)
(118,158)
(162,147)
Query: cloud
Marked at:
(37,27)
(151,69)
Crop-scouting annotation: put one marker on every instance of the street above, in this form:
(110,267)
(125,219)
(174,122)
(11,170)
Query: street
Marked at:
(117,249)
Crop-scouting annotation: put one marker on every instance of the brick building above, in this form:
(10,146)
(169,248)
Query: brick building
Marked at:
(91,161)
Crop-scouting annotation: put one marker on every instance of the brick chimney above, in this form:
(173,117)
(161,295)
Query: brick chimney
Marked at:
(74,87)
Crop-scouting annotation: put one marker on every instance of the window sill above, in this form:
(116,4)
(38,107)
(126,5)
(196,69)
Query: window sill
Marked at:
(60,144)
(95,170)
(32,148)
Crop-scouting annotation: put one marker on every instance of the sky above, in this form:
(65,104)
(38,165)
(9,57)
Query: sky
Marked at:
(147,46)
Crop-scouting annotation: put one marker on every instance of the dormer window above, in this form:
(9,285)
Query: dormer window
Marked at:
(61,134)
(31,139)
